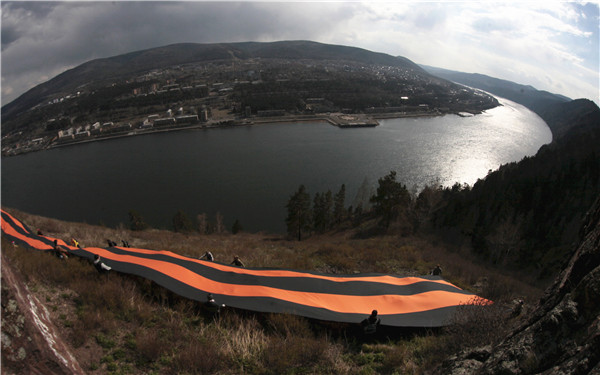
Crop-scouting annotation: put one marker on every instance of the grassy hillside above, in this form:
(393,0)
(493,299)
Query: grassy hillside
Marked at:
(123,324)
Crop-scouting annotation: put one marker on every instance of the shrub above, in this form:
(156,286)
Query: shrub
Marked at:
(105,342)
(477,324)
(199,356)
(150,345)
(242,338)
(286,325)
(294,354)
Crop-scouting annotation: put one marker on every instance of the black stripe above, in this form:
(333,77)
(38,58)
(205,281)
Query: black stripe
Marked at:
(25,231)
(431,318)
(298,284)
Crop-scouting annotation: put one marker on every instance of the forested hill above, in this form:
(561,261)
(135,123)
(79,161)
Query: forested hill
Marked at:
(543,103)
(579,115)
(129,65)
(527,214)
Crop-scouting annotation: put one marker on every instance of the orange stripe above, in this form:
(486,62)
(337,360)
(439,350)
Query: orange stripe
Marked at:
(269,273)
(17,222)
(8,229)
(40,245)
(385,304)
(385,279)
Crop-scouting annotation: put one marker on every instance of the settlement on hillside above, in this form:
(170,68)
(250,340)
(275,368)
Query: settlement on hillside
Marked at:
(215,90)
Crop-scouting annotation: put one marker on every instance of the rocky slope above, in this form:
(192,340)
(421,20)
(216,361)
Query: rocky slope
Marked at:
(562,335)
(31,343)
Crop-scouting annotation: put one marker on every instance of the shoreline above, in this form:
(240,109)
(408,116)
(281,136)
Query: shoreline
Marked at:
(340,120)
(226,123)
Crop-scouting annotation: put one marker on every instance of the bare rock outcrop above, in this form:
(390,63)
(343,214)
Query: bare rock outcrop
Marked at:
(562,335)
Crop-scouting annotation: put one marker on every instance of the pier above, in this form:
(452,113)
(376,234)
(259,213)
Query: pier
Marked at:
(351,121)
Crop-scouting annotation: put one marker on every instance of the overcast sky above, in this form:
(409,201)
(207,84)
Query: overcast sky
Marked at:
(550,45)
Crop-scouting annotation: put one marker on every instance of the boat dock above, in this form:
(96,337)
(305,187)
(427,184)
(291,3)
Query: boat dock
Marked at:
(351,121)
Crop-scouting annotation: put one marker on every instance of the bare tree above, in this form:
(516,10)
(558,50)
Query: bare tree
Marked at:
(219,226)
(202,223)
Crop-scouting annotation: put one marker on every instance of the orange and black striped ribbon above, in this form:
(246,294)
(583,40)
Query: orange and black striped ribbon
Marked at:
(427,301)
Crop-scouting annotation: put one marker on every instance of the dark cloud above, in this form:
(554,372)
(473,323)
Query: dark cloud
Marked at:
(39,38)
(36,9)
(9,35)
(42,39)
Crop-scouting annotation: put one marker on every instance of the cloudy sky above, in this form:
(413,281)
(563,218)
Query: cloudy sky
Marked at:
(550,45)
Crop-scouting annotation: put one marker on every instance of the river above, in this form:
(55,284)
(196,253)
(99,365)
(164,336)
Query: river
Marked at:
(249,173)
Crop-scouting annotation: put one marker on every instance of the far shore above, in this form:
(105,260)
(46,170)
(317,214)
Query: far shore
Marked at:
(335,119)
(213,124)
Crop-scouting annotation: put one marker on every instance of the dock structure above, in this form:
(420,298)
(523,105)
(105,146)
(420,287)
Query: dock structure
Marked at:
(352,121)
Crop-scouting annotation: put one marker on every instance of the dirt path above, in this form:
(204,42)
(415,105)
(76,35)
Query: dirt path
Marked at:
(30,341)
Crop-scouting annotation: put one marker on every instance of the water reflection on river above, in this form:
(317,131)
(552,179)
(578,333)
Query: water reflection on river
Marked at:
(249,173)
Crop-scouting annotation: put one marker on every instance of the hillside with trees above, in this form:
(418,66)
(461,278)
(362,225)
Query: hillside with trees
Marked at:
(527,214)
(205,85)
(536,100)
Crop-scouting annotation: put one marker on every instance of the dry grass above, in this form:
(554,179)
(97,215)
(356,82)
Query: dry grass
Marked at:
(134,325)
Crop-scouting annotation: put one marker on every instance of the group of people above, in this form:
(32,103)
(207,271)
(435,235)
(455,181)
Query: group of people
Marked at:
(62,253)
(210,257)
(211,307)
(112,243)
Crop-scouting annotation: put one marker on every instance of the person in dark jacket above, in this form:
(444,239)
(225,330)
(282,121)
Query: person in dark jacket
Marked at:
(99,264)
(208,256)
(212,307)
(237,262)
(371,323)
(59,251)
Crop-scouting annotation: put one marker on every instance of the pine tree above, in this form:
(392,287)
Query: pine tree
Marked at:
(318,218)
(202,223)
(327,210)
(391,198)
(182,223)
(299,213)
(339,211)
(237,227)
(219,225)
(136,221)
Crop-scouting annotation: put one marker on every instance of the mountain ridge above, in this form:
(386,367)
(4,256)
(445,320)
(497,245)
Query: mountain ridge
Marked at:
(185,53)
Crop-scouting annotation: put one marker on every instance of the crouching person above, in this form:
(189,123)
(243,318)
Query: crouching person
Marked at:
(212,308)
(99,264)
(59,251)
(370,325)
